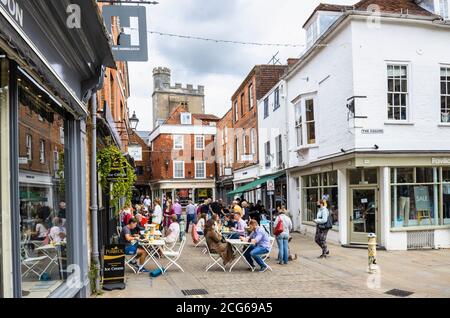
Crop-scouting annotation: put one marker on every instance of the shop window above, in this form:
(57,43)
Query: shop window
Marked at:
(363,176)
(370,176)
(446,194)
(42,192)
(320,187)
(415,203)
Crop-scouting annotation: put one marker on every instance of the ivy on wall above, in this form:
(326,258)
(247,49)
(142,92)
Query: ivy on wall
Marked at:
(115,171)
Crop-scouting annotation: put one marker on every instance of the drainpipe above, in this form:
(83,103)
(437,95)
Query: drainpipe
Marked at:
(94,201)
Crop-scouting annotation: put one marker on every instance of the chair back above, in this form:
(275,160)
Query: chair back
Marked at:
(272,241)
(119,230)
(182,244)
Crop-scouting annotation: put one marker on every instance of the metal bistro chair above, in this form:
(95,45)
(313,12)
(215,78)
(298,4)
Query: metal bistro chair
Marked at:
(174,256)
(266,256)
(215,258)
(31,263)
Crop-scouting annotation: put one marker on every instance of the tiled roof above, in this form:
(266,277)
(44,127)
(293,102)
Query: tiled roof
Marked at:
(394,6)
(206,117)
(386,6)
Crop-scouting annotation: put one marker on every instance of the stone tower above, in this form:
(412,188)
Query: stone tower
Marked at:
(167,97)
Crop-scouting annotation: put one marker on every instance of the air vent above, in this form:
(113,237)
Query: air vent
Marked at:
(420,240)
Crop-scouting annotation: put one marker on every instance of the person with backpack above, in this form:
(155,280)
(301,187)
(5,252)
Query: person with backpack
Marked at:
(282,228)
(324,223)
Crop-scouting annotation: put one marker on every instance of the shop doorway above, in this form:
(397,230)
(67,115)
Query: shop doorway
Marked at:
(363,214)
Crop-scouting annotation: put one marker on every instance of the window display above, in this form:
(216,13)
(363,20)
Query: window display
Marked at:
(415,197)
(317,187)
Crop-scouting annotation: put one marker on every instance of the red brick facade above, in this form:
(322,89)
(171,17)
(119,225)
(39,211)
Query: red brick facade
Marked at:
(245,113)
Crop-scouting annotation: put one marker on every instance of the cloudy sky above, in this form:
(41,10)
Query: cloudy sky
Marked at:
(220,67)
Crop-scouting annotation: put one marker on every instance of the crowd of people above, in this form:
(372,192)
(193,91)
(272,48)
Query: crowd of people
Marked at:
(242,218)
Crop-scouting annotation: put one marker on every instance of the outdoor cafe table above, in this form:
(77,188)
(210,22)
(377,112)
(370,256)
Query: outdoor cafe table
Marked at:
(240,247)
(151,247)
(51,252)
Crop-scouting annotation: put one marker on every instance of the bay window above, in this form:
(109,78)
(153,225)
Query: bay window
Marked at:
(310,122)
(299,124)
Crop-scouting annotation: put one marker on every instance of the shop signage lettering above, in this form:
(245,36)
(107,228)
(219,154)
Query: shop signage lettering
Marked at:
(114,264)
(14,10)
(133,40)
(440,161)
(372,131)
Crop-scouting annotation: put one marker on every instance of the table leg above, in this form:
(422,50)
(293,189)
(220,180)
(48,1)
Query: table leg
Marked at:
(241,256)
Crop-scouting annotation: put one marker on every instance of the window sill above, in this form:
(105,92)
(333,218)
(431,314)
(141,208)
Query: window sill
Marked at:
(444,125)
(420,228)
(404,123)
(307,147)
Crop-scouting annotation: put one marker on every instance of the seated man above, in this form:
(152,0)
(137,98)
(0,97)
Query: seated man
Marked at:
(239,226)
(261,245)
(126,238)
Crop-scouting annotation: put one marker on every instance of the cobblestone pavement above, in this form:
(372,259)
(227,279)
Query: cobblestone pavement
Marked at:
(344,274)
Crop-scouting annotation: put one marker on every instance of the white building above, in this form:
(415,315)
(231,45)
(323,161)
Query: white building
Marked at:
(272,139)
(368,108)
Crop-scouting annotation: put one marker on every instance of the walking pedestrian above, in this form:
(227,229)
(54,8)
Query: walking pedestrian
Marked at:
(190,214)
(177,209)
(322,227)
(157,214)
(283,236)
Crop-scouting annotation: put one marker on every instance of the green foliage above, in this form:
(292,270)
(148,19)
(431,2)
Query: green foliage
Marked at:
(111,161)
(60,172)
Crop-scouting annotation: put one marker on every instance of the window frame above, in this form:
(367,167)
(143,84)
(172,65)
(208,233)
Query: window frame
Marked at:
(407,94)
(276,98)
(310,122)
(266,107)
(299,124)
(236,111)
(175,162)
(184,116)
(251,102)
(42,151)
(29,146)
(242,100)
(267,155)
(279,150)
(174,137)
(196,170)
(445,96)
(253,141)
(196,142)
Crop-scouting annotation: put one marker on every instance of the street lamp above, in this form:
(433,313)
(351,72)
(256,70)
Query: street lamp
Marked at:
(134,121)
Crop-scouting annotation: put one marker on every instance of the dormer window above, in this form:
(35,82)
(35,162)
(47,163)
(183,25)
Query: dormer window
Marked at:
(319,24)
(186,118)
(444,9)
(311,33)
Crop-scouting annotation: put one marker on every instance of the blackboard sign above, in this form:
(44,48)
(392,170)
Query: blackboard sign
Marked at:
(114,266)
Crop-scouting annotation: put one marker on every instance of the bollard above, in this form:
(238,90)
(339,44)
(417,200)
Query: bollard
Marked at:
(372,253)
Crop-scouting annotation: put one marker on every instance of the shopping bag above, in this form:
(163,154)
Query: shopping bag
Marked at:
(195,236)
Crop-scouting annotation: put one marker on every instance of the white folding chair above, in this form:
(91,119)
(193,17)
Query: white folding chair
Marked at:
(174,256)
(215,258)
(266,256)
(31,263)
(119,230)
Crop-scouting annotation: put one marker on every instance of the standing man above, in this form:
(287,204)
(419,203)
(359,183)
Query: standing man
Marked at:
(191,210)
(177,209)
(147,202)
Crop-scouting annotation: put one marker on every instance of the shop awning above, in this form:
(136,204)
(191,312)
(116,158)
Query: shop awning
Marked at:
(255,184)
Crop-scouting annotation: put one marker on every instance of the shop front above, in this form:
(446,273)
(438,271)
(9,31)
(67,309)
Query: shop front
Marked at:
(45,84)
(184,191)
(403,199)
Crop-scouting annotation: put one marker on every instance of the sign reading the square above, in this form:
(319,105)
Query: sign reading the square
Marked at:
(132,44)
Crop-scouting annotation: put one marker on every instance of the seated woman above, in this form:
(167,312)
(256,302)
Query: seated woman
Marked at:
(40,232)
(214,242)
(173,232)
(201,224)
(58,231)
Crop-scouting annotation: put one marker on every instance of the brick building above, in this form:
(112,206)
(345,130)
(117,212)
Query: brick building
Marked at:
(245,121)
(183,156)
(141,150)
(224,155)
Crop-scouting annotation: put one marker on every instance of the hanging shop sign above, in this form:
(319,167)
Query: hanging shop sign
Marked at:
(270,185)
(114,267)
(135,152)
(132,43)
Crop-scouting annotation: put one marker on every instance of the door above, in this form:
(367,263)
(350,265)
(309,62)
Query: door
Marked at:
(364,214)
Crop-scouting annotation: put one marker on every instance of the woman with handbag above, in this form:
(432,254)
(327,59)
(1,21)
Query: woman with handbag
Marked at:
(283,225)
(324,223)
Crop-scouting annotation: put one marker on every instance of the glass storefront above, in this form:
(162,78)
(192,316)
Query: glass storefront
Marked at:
(316,187)
(416,196)
(202,194)
(43,217)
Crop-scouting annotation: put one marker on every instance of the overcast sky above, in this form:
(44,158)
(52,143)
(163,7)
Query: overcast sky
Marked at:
(219,67)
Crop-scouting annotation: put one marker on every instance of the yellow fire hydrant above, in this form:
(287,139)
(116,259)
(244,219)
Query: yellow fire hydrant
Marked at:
(372,253)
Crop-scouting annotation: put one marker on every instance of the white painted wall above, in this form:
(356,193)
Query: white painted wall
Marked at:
(328,77)
(271,127)
(372,49)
